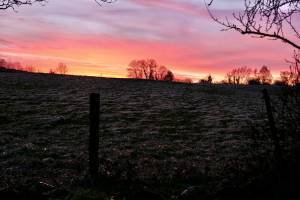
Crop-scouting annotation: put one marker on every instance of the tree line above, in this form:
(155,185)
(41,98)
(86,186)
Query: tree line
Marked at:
(246,75)
(16,66)
(149,69)
(62,68)
(5,65)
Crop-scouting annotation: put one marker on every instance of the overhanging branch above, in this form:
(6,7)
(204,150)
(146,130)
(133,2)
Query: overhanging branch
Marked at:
(265,18)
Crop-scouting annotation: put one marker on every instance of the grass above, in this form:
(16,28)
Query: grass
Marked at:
(178,133)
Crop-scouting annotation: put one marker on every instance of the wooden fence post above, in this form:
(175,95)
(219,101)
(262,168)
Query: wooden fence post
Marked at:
(94,135)
(277,150)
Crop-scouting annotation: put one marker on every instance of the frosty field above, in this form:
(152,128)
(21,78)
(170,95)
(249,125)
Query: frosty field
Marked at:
(165,130)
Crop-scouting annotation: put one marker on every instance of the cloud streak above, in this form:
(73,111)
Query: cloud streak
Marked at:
(103,40)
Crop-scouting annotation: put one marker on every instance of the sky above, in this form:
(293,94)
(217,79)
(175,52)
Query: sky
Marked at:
(102,40)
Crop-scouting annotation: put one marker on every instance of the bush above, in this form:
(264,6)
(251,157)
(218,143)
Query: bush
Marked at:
(254,82)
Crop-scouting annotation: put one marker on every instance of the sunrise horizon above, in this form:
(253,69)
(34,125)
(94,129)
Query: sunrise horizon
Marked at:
(149,99)
(102,40)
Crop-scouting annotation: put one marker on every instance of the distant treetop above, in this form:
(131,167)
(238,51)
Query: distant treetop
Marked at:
(149,69)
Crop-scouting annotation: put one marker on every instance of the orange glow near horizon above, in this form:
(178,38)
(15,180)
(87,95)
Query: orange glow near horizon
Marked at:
(94,41)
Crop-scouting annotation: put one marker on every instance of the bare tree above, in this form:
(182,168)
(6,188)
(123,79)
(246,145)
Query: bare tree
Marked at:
(147,69)
(15,65)
(229,78)
(135,69)
(151,68)
(295,68)
(99,2)
(3,63)
(51,71)
(265,75)
(161,73)
(232,77)
(285,77)
(239,75)
(169,76)
(244,74)
(62,68)
(30,69)
(142,69)
(265,19)
(5,4)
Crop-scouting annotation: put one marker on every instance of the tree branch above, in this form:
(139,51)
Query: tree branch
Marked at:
(266,18)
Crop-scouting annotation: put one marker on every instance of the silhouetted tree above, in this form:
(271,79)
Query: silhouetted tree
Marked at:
(280,83)
(104,1)
(16,66)
(285,77)
(5,4)
(187,80)
(265,18)
(11,65)
(169,76)
(225,81)
(265,75)
(254,81)
(51,71)
(150,69)
(203,81)
(135,69)
(147,69)
(207,80)
(161,73)
(238,75)
(62,68)
(295,69)
(3,63)
(30,69)
(229,77)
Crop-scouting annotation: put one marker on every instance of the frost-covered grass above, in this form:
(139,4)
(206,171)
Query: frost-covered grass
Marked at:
(165,130)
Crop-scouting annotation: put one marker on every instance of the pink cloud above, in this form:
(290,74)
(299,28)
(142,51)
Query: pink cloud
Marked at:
(105,39)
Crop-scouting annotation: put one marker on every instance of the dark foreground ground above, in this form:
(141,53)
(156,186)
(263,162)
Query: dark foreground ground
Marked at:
(163,138)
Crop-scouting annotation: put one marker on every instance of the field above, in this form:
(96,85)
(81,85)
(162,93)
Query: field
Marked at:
(166,131)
